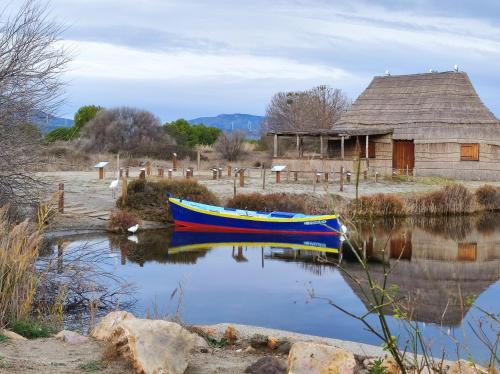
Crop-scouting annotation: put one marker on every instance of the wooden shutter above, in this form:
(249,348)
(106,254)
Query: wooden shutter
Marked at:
(469,152)
(467,251)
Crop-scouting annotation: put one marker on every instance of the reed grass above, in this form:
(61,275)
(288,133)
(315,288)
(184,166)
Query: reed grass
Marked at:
(488,196)
(121,220)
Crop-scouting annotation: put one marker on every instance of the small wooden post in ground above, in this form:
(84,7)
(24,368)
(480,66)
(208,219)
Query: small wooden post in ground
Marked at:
(318,176)
(376,177)
(263,178)
(229,170)
(341,179)
(161,172)
(295,176)
(198,159)
(101,173)
(278,177)
(214,173)
(348,175)
(127,172)
(142,174)
(174,161)
(121,172)
(61,198)
(189,173)
(170,173)
(124,191)
(365,175)
(148,168)
(219,173)
(326,177)
(242,177)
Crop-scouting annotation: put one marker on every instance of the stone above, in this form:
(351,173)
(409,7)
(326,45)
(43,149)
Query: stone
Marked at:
(267,365)
(284,346)
(107,325)
(388,364)
(249,349)
(230,335)
(313,358)
(466,367)
(153,346)
(72,337)
(258,340)
(272,342)
(12,335)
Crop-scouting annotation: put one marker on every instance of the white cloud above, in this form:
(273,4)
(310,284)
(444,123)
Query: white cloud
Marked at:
(117,62)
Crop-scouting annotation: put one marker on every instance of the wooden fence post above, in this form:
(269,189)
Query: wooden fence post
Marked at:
(198,159)
(263,178)
(148,168)
(229,170)
(242,178)
(169,173)
(214,173)
(278,177)
(365,175)
(124,191)
(61,198)
(219,173)
(161,172)
(326,177)
(121,172)
(341,179)
(101,173)
(376,177)
(348,177)
(295,176)
(127,172)
(174,161)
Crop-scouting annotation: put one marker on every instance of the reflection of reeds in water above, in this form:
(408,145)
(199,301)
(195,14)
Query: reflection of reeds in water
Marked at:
(451,227)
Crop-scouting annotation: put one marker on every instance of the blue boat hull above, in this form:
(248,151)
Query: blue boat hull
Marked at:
(187,216)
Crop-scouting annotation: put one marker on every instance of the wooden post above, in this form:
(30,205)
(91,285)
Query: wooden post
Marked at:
(198,159)
(295,176)
(121,172)
(169,173)
(214,173)
(275,145)
(365,175)
(318,177)
(341,179)
(101,173)
(278,177)
(124,191)
(161,172)
(348,177)
(219,173)
(242,178)
(148,168)
(298,146)
(118,163)
(314,181)
(321,146)
(366,151)
(376,177)
(174,161)
(263,179)
(142,174)
(326,177)
(229,170)
(127,172)
(61,198)
(342,148)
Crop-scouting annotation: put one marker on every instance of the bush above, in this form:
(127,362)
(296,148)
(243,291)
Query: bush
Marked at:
(230,145)
(379,205)
(121,220)
(149,199)
(269,202)
(31,329)
(452,199)
(488,196)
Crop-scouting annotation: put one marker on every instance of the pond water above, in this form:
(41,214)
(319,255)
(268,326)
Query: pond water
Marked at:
(268,280)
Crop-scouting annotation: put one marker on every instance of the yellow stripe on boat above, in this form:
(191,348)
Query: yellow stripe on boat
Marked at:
(251,218)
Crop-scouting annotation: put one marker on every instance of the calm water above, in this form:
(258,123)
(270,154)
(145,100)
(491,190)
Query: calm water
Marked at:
(268,280)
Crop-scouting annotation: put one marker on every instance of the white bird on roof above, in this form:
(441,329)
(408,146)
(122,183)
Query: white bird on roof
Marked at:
(133,229)
(113,186)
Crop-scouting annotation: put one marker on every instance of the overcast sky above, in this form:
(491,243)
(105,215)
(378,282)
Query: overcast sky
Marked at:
(186,58)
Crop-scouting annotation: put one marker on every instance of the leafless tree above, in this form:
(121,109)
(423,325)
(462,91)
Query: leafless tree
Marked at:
(125,129)
(31,62)
(230,145)
(317,108)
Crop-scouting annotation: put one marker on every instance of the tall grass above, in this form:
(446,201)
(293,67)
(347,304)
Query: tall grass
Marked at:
(488,196)
(452,199)
(19,248)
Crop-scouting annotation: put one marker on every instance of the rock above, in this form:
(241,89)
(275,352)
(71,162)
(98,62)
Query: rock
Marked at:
(284,346)
(153,346)
(466,367)
(313,358)
(12,335)
(230,335)
(258,340)
(200,342)
(388,364)
(72,337)
(249,349)
(267,365)
(106,327)
(272,342)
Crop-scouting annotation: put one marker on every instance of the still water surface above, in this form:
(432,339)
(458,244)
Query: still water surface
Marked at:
(268,280)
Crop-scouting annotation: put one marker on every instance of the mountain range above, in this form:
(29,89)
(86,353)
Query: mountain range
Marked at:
(47,122)
(250,124)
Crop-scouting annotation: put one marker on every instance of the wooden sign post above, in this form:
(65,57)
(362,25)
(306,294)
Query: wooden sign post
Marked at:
(341,179)
(174,161)
(124,191)
(229,170)
(61,198)
(242,177)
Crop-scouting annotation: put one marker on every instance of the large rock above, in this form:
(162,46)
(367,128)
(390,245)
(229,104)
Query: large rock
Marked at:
(107,325)
(153,346)
(312,358)
(267,365)
(12,335)
(72,337)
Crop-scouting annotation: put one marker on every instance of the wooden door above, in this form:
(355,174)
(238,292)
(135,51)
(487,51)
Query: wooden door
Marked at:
(403,156)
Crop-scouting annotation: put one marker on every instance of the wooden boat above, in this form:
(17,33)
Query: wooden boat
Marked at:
(214,218)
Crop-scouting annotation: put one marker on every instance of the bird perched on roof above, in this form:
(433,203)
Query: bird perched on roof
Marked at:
(133,229)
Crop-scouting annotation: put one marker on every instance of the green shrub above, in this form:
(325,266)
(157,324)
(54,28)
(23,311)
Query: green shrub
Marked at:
(149,199)
(61,134)
(488,196)
(31,329)
(3,338)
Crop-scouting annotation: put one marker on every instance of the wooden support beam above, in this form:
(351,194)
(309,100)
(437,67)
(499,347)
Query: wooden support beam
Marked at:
(321,146)
(342,148)
(124,191)
(366,151)
(298,146)
(275,145)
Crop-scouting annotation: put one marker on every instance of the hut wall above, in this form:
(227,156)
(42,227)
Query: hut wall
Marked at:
(443,159)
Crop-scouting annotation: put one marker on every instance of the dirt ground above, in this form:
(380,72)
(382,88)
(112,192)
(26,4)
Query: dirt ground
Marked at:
(89,201)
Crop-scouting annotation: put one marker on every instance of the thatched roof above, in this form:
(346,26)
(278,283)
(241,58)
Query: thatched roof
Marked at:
(446,98)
